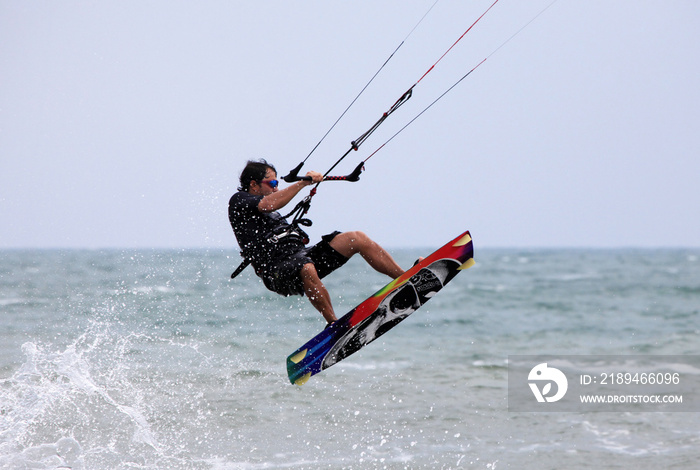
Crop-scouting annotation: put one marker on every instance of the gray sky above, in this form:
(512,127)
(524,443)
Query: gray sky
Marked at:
(126,124)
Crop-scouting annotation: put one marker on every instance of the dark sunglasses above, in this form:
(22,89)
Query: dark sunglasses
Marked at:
(272,183)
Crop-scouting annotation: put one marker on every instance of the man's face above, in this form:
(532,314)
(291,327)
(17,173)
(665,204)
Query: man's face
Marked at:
(265,187)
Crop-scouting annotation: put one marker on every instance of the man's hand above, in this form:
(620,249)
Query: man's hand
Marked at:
(315,176)
(280,198)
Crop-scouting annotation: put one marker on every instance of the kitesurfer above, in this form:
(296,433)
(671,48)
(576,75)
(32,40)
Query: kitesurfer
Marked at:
(278,251)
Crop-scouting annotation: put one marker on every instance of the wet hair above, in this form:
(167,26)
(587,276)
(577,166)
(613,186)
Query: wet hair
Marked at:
(255,170)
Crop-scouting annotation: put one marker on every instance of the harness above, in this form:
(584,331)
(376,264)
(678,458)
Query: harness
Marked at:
(278,235)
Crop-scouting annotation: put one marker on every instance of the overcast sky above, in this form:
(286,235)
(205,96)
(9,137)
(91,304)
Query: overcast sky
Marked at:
(126,123)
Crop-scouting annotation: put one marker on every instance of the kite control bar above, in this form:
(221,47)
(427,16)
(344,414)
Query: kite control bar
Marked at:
(352,177)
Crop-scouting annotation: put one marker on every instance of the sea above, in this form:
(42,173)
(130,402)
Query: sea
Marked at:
(156,359)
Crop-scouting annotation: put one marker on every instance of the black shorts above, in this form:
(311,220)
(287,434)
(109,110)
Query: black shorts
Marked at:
(283,277)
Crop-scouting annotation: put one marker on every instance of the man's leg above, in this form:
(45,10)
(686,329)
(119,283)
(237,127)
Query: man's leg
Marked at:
(316,292)
(349,243)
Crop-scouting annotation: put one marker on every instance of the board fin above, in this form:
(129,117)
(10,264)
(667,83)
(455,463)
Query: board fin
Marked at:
(303,379)
(298,357)
(467,264)
(464,240)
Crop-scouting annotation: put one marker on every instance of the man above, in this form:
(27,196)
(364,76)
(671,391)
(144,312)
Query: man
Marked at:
(278,252)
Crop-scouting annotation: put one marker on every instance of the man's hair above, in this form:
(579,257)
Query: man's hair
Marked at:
(254,170)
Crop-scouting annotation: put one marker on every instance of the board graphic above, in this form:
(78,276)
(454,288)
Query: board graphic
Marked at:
(382,311)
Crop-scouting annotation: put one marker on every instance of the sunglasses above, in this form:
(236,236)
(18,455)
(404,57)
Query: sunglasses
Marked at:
(272,183)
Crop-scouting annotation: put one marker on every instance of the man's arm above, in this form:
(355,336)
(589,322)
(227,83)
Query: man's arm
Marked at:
(281,198)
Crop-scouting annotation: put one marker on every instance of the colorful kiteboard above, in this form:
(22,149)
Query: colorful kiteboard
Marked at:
(382,311)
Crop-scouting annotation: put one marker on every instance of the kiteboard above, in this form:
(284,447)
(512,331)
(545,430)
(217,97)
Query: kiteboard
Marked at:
(382,311)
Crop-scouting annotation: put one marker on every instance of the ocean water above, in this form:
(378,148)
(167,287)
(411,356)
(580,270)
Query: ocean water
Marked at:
(156,360)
